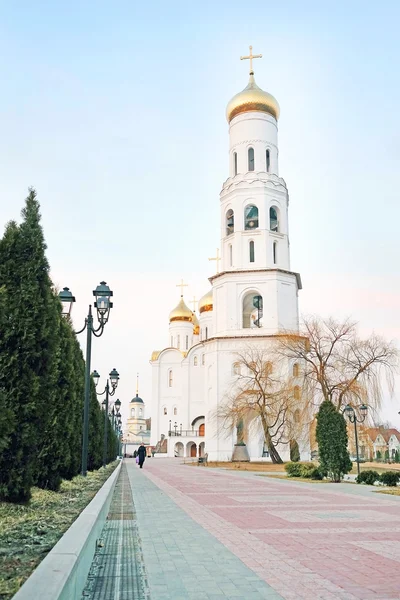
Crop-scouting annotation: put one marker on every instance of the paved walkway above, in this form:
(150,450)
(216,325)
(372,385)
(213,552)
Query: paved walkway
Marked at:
(214,534)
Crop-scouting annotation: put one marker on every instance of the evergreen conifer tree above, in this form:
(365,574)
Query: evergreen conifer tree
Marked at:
(332,440)
(27,343)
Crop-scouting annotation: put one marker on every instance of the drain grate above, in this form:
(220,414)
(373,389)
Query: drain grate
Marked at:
(117,516)
(117,571)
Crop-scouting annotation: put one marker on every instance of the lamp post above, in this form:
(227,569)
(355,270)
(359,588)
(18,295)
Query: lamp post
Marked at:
(113,379)
(103,305)
(175,427)
(352,416)
(170,428)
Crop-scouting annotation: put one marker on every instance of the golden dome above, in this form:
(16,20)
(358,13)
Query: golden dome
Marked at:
(196,325)
(252,99)
(181,312)
(206,302)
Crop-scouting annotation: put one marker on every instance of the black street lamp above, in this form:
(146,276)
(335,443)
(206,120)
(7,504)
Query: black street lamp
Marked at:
(170,428)
(352,416)
(113,379)
(102,294)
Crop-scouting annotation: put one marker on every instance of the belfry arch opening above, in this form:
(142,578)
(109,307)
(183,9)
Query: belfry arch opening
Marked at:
(251,217)
(252,308)
(273,219)
(230,222)
(250,155)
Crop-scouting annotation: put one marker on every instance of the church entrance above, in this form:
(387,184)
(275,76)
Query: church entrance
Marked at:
(201,449)
(191,449)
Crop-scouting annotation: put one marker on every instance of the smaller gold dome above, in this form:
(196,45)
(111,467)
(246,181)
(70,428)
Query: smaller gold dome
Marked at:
(196,325)
(206,302)
(252,99)
(181,312)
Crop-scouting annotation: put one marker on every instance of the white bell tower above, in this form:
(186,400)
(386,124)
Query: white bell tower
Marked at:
(255,290)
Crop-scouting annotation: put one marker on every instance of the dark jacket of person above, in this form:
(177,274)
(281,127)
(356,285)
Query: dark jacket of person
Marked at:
(141,453)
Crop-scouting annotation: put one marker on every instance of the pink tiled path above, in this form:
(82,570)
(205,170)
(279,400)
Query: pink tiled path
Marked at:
(306,541)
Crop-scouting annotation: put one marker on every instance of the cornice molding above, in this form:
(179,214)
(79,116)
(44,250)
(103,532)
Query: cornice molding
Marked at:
(252,271)
(251,178)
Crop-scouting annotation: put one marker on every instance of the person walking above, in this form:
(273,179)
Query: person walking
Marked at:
(142,455)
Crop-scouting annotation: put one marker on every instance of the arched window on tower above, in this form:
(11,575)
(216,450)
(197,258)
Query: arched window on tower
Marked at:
(275,252)
(250,154)
(251,217)
(230,222)
(230,255)
(178,341)
(132,412)
(187,342)
(175,411)
(273,219)
(203,359)
(267,160)
(165,410)
(252,310)
(195,361)
(140,412)
(235,163)
(236,368)
(170,378)
(206,333)
(296,392)
(296,370)
(251,251)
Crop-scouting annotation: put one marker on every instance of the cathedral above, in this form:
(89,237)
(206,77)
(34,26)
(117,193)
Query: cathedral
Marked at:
(253,296)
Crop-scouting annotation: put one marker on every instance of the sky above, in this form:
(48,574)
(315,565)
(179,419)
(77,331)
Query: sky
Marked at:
(115,113)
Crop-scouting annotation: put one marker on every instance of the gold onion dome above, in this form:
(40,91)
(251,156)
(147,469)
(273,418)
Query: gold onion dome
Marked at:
(196,325)
(252,99)
(181,312)
(206,302)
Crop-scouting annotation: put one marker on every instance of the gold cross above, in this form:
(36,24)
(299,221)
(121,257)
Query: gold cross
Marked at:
(216,258)
(194,302)
(182,285)
(250,57)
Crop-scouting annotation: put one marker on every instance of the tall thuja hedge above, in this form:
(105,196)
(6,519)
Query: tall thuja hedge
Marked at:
(332,440)
(28,343)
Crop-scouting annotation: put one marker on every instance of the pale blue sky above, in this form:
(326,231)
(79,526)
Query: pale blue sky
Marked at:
(116,114)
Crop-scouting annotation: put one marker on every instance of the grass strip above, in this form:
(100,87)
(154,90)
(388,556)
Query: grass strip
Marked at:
(29,531)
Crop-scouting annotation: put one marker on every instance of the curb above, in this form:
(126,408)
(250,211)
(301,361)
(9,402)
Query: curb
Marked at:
(63,572)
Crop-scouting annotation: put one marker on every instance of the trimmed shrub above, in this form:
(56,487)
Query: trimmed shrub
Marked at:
(368,477)
(397,457)
(310,472)
(378,455)
(293,469)
(390,478)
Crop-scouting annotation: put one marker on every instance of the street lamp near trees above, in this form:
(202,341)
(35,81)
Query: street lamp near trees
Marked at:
(103,305)
(352,416)
(113,378)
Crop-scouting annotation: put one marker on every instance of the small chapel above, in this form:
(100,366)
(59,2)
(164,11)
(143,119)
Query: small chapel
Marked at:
(252,299)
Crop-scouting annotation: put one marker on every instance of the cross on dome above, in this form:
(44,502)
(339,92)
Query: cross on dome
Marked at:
(250,58)
(217,259)
(181,285)
(194,302)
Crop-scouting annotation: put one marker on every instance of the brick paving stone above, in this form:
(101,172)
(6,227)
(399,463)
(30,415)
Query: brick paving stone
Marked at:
(310,541)
(182,558)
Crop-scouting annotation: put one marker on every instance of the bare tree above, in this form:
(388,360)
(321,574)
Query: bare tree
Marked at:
(338,365)
(263,396)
